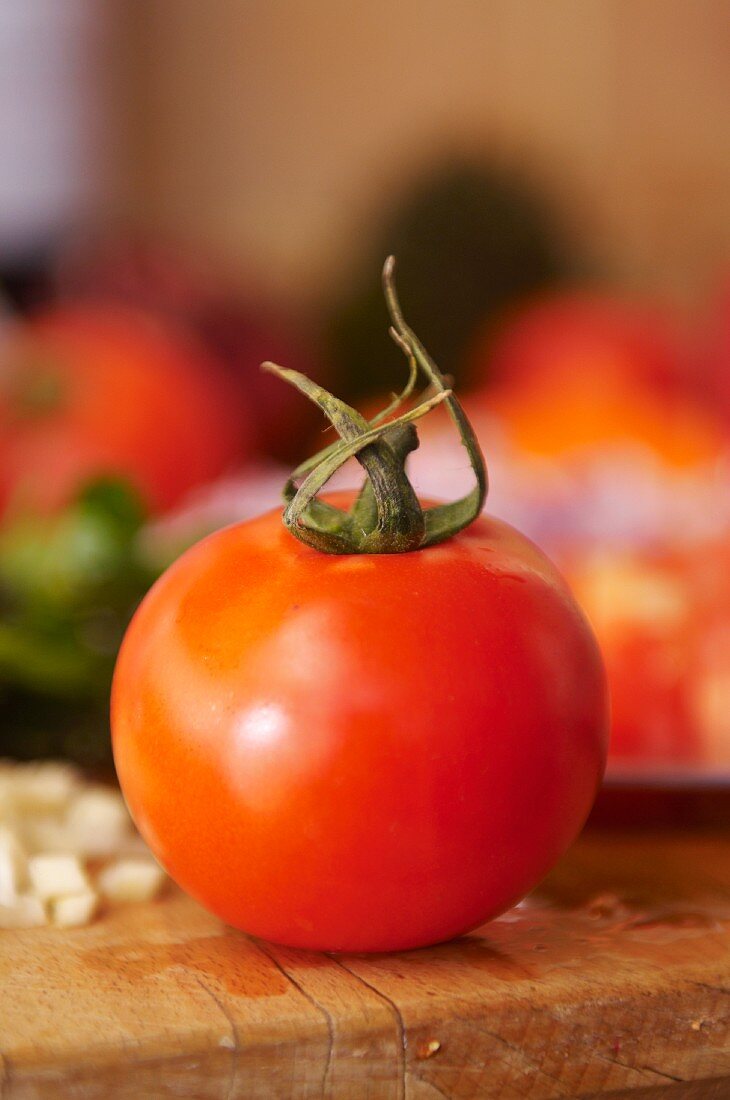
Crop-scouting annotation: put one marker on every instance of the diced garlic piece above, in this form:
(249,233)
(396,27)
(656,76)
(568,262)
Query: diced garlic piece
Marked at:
(9,839)
(132,879)
(7,801)
(73,910)
(44,787)
(97,822)
(47,834)
(54,876)
(13,866)
(51,823)
(25,912)
(8,879)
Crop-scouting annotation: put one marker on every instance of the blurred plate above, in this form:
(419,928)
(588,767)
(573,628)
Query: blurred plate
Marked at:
(667,776)
(660,796)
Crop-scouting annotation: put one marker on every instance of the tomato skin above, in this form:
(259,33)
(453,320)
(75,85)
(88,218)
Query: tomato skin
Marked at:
(360,753)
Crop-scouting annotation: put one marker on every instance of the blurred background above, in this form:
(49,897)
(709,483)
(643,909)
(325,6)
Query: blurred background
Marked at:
(187,189)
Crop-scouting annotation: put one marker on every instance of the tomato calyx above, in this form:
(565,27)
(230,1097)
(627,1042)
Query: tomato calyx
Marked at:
(387,517)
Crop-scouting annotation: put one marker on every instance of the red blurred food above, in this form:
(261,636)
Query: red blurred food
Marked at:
(712,375)
(88,390)
(240,325)
(624,481)
(576,371)
(663,621)
(607,460)
(587,410)
(579,332)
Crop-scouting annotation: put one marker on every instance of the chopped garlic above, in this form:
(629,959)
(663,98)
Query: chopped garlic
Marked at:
(13,866)
(55,876)
(7,802)
(73,910)
(26,911)
(131,880)
(51,823)
(8,879)
(44,786)
(47,834)
(97,822)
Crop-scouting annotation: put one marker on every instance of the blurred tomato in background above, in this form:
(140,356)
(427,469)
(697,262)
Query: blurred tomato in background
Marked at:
(89,390)
(239,326)
(138,379)
(579,331)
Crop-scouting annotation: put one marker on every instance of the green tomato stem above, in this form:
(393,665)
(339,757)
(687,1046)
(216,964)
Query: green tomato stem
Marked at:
(387,517)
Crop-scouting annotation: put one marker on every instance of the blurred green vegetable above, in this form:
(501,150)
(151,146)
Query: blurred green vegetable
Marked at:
(69,584)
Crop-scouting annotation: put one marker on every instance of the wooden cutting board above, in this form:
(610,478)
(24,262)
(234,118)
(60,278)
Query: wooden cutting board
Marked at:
(614,978)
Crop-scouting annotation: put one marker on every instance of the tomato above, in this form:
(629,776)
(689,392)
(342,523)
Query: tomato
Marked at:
(359,752)
(101,390)
(575,332)
(574,371)
(240,324)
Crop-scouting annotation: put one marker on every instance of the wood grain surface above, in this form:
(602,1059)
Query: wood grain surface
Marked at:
(612,980)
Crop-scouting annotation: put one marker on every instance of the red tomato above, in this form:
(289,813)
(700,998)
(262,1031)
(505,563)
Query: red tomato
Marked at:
(241,324)
(359,753)
(91,391)
(575,370)
(560,335)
